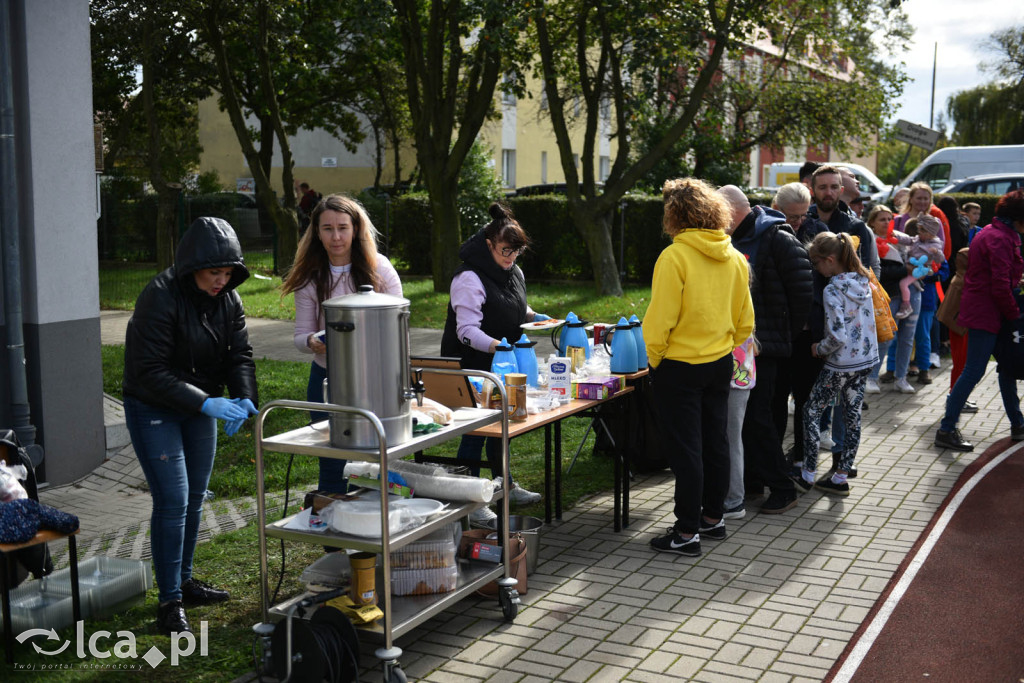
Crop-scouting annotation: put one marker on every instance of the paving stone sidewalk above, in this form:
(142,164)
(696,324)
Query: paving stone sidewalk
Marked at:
(778,600)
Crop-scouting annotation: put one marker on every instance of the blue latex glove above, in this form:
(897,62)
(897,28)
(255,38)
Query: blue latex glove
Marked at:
(223,409)
(232,426)
(247,405)
(539,317)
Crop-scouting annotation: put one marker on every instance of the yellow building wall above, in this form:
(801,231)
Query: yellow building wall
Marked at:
(354,171)
(534,140)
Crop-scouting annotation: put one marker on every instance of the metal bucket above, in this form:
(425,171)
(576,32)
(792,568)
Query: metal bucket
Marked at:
(368,367)
(529,527)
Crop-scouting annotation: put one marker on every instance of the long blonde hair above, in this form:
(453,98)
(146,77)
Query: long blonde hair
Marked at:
(312,263)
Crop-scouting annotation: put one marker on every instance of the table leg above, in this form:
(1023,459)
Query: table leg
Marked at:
(7,565)
(76,599)
(625,479)
(558,470)
(618,489)
(547,474)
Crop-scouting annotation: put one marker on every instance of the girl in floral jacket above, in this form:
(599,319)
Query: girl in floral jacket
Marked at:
(849,348)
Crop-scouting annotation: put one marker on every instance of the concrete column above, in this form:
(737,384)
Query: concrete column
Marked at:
(57,212)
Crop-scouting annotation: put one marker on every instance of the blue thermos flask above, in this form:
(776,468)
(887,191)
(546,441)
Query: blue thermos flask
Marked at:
(623,349)
(526,359)
(638,337)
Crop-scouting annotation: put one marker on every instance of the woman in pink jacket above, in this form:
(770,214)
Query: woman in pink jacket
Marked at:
(334,257)
(993,271)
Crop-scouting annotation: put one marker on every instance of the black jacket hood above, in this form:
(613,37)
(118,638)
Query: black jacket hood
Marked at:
(210,243)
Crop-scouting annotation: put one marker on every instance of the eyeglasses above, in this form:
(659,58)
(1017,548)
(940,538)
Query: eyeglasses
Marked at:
(512,251)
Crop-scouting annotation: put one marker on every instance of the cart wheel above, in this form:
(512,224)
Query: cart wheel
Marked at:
(395,675)
(509,604)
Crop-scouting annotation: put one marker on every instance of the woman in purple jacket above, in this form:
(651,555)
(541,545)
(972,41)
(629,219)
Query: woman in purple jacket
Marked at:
(994,270)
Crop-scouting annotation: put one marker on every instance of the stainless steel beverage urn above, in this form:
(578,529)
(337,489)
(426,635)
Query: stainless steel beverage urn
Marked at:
(368,366)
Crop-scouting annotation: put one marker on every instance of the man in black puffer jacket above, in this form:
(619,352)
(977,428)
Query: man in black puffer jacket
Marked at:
(781,292)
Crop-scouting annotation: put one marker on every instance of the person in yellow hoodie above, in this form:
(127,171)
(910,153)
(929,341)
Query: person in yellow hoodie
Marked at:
(700,311)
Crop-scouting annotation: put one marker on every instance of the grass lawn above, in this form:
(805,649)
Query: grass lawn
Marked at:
(261,294)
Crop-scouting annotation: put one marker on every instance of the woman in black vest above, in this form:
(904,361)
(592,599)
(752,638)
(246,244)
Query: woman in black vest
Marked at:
(488,302)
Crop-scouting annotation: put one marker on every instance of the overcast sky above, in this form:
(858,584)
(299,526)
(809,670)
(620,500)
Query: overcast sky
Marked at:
(959,27)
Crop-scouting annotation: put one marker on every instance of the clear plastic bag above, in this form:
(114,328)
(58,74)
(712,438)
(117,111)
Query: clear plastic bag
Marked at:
(10,487)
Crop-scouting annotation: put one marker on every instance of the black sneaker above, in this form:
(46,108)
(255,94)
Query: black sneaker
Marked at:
(674,543)
(170,618)
(801,485)
(969,407)
(714,532)
(952,440)
(737,512)
(829,486)
(1017,433)
(852,474)
(196,592)
(778,502)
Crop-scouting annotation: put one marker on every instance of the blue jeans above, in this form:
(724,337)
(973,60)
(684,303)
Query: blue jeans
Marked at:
(176,452)
(332,471)
(923,341)
(979,349)
(900,347)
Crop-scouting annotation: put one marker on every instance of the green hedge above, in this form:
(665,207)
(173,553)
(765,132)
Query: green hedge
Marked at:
(987,202)
(558,251)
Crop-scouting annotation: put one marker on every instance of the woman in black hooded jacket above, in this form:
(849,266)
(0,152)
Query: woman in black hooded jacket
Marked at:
(185,342)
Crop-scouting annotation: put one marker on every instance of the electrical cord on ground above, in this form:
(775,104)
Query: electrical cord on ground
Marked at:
(284,513)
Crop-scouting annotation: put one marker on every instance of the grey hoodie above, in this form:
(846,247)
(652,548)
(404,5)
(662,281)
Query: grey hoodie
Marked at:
(850,342)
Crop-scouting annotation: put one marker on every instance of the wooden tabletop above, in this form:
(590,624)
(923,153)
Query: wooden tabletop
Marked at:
(576,405)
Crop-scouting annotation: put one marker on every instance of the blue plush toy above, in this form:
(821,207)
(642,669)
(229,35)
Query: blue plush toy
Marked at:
(920,264)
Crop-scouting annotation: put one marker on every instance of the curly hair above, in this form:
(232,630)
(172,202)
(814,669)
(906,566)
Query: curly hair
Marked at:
(692,204)
(1010,206)
(312,263)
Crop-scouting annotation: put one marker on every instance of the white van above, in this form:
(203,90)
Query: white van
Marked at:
(778,174)
(948,164)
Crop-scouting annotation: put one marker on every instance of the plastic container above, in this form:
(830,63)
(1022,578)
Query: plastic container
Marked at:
(424,581)
(426,554)
(332,570)
(41,604)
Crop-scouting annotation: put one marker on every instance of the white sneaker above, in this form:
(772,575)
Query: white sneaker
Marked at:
(872,387)
(484,518)
(935,362)
(518,494)
(826,443)
(521,496)
(904,386)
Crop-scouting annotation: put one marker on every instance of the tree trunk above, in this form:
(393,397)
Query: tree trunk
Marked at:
(596,229)
(444,209)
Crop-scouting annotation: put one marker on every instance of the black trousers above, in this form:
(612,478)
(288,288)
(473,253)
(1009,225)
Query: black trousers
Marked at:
(692,403)
(764,461)
(804,371)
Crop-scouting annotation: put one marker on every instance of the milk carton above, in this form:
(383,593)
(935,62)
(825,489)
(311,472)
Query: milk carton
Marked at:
(560,377)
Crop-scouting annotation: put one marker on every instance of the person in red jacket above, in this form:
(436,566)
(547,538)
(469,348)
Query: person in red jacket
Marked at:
(993,271)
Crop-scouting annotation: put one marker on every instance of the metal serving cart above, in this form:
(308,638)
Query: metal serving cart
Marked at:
(401,614)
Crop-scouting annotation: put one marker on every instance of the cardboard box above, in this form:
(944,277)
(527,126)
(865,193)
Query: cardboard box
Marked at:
(597,387)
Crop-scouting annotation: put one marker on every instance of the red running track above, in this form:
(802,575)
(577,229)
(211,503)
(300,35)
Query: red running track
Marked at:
(954,611)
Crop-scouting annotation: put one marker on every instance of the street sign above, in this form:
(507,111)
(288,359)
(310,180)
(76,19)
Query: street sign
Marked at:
(916,135)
